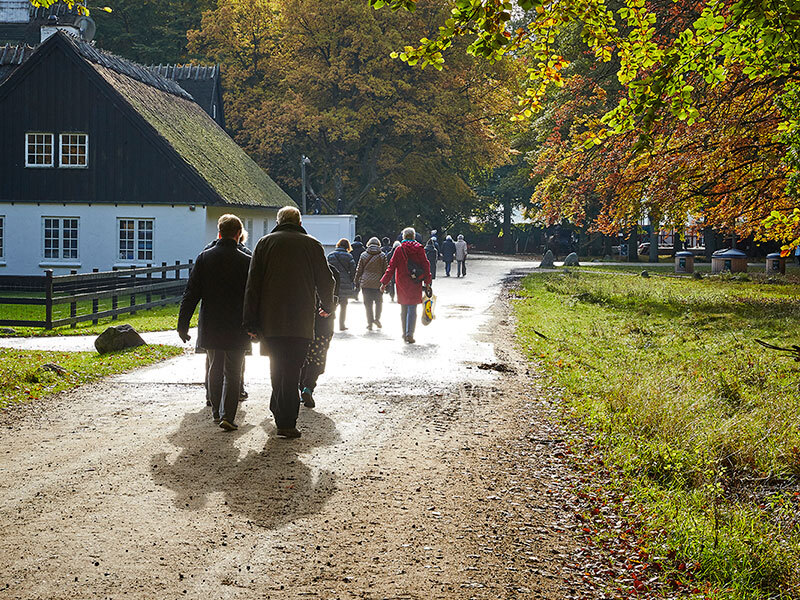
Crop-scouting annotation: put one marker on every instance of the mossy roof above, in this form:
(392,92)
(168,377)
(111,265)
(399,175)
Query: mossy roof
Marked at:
(200,142)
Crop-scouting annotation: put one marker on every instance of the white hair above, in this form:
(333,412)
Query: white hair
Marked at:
(409,233)
(288,214)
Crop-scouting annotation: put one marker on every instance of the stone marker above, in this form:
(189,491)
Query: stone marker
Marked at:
(571,260)
(547,260)
(117,338)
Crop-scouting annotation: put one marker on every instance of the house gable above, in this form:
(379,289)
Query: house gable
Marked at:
(57,92)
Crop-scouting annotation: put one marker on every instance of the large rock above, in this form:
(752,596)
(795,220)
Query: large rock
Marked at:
(571,260)
(118,338)
(548,260)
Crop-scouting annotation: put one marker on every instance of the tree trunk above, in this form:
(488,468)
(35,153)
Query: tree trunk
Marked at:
(633,245)
(653,257)
(508,238)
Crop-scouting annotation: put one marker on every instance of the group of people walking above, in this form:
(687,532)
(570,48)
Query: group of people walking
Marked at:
(285,294)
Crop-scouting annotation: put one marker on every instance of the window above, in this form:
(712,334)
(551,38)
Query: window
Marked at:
(2,236)
(136,239)
(60,237)
(266,227)
(39,150)
(249,228)
(74,150)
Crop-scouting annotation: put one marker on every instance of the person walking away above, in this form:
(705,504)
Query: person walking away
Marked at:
(241,245)
(432,254)
(218,282)
(386,247)
(369,271)
(408,257)
(356,249)
(342,260)
(461,256)
(314,364)
(448,254)
(288,276)
(391,288)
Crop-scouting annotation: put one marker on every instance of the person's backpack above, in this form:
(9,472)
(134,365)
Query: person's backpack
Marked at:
(415,270)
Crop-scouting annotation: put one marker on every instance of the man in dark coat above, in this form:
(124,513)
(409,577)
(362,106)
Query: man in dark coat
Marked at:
(218,278)
(287,275)
(448,254)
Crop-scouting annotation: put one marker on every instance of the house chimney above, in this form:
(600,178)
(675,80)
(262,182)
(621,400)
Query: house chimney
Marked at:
(15,11)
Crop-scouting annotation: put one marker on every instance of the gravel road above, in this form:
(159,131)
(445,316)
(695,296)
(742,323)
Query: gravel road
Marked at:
(416,476)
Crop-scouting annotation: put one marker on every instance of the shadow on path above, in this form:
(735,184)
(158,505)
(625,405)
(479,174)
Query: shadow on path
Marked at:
(270,488)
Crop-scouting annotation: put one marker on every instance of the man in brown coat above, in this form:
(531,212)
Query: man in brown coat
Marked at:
(287,274)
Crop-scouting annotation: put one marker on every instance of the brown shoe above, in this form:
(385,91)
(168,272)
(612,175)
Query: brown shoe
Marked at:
(289,433)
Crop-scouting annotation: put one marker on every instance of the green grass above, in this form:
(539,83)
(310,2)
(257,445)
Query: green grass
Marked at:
(22,379)
(163,318)
(702,423)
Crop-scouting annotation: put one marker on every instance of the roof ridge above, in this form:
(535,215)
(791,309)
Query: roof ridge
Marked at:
(193,71)
(126,67)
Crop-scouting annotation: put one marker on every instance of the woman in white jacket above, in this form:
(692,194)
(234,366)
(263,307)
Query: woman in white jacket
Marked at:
(461,256)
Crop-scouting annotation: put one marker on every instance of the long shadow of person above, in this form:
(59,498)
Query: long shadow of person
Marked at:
(270,487)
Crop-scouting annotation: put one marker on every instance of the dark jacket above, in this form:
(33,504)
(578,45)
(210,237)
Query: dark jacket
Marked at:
(387,251)
(356,249)
(341,260)
(218,279)
(432,253)
(287,274)
(448,250)
(323,326)
(239,245)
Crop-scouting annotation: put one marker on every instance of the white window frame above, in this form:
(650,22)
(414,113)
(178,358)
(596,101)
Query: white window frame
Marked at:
(28,155)
(60,257)
(139,254)
(79,142)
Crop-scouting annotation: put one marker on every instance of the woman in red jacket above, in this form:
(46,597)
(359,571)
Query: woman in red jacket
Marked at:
(409,258)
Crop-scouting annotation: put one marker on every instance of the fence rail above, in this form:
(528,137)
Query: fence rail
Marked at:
(77,297)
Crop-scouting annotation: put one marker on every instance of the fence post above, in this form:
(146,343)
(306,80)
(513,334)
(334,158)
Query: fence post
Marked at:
(114,298)
(164,276)
(95,302)
(133,285)
(73,306)
(48,298)
(177,271)
(148,297)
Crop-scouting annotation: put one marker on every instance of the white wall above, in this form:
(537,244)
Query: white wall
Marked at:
(329,229)
(178,234)
(257,221)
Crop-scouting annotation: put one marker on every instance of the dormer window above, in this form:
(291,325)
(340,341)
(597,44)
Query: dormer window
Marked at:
(74,150)
(39,150)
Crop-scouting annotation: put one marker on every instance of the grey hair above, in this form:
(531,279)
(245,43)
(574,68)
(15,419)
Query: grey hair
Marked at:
(288,214)
(409,233)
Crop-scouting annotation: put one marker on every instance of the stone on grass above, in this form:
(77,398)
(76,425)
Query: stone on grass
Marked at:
(645,274)
(571,260)
(54,367)
(547,260)
(118,338)
(7,331)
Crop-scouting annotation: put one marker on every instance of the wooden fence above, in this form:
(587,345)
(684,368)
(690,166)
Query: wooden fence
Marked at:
(130,290)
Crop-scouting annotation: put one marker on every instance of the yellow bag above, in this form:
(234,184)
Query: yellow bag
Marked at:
(428,304)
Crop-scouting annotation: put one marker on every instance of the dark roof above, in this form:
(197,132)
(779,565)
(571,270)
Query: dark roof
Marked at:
(201,81)
(126,67)
(11,57)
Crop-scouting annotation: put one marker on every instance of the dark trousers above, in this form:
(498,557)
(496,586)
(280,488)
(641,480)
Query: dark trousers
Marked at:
(408,314)
(225,382)
(373,303)
(462,267)
(447,265)
(205,383)
(342,310)
(286,357)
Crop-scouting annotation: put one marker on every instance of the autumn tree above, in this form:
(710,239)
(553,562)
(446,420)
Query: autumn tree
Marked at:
(396,144)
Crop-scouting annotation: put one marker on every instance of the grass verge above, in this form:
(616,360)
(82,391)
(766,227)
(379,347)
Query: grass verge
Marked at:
(702,424)
(22,377)
(163,318)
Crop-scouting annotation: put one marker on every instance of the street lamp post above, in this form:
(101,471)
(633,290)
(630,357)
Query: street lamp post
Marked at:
(304,160)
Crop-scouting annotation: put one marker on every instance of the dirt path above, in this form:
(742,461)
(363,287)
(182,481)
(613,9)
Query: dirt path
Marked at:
(419,475)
